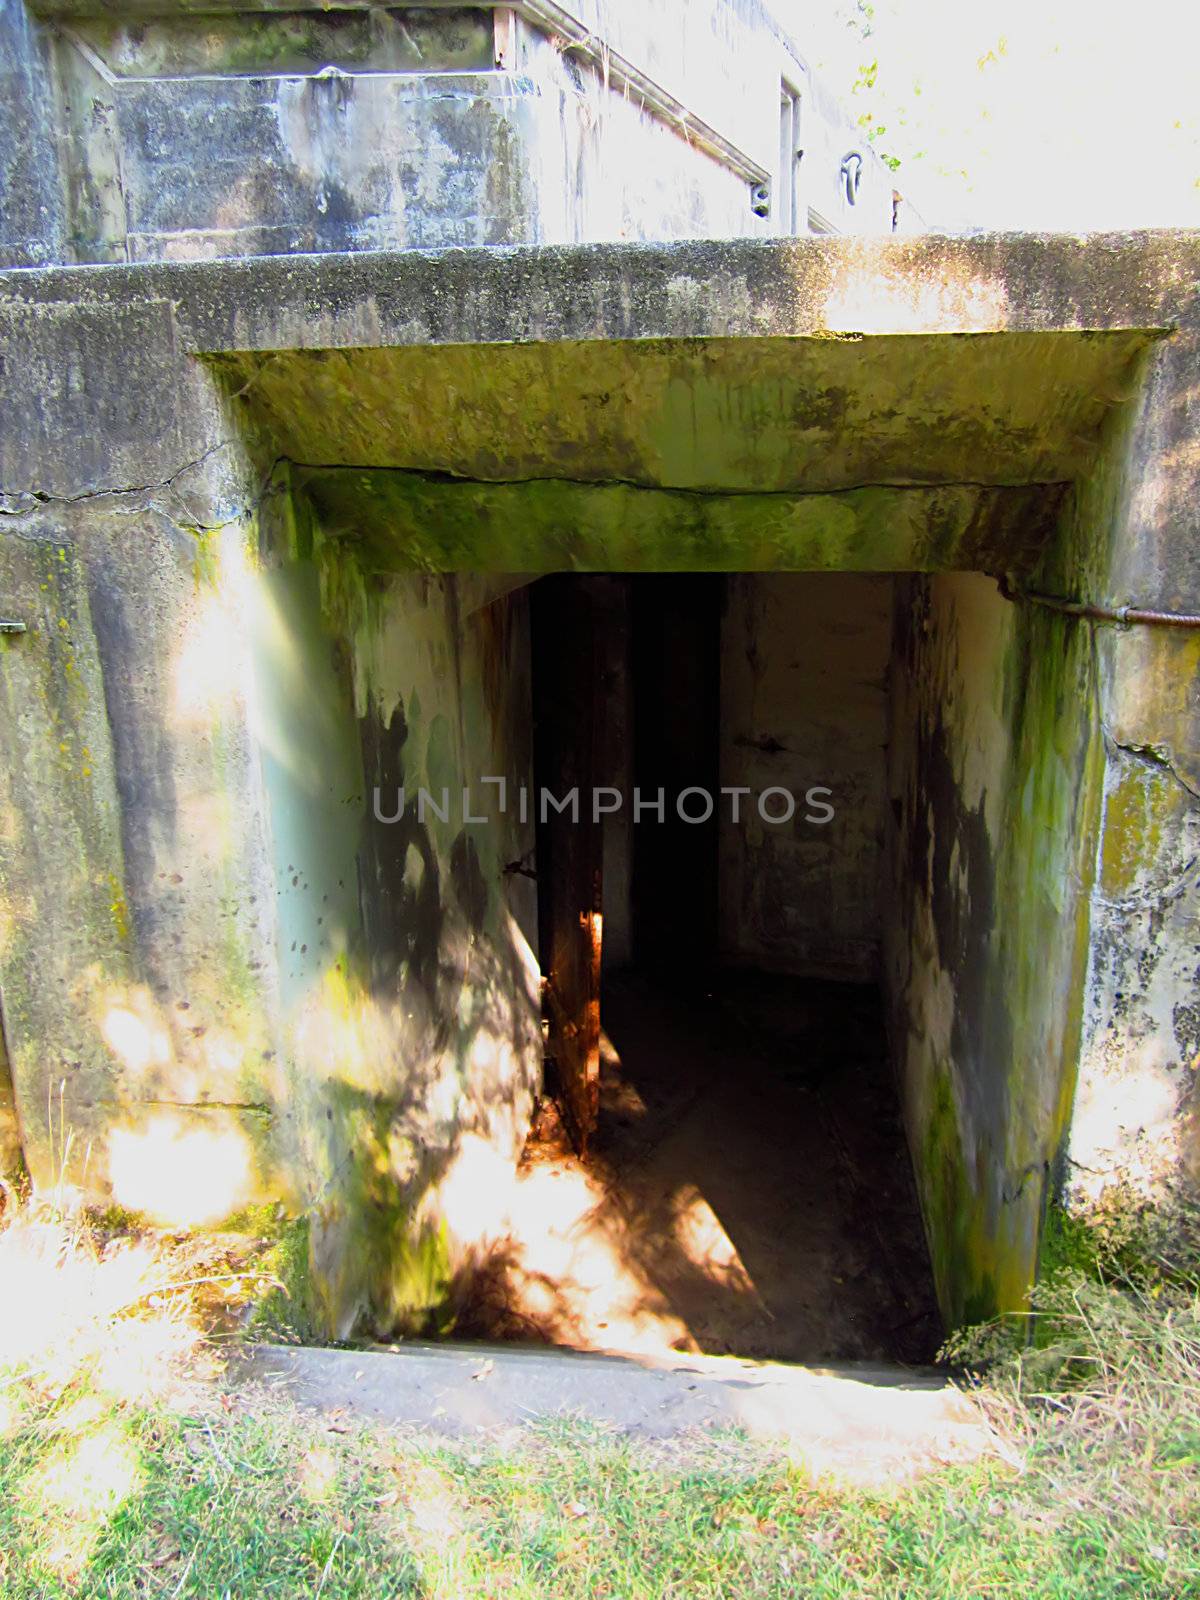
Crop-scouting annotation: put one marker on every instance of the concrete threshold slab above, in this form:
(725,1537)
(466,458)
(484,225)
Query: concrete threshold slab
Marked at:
(857,1420)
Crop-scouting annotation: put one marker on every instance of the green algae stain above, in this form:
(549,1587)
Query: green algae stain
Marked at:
(119,908)
(1012,933)
(206,565)
(441,767)
(1137,809)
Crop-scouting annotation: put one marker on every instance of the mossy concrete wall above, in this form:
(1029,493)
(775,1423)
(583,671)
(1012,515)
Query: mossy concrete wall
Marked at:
(1137,1116)
(993,757)
(160,1040)
(137,950)
(406,942)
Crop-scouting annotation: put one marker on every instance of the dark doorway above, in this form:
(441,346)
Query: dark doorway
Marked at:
(569,725)
(676,622)
(719,1162)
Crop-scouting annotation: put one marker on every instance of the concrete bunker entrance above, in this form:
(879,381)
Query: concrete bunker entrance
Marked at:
(789,565)
(710,766)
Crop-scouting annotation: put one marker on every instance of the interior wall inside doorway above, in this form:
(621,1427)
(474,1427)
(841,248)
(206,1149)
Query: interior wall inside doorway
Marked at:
(804,686)
(746,682)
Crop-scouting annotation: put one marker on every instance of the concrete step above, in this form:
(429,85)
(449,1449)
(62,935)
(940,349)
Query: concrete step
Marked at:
(859,1420)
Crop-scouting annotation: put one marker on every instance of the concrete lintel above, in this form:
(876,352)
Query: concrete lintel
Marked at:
(743,365)
(736,288)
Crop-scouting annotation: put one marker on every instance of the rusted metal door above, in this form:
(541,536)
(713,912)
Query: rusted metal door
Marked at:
(568,687)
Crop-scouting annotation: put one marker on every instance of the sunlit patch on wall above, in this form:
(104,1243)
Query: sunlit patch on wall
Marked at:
(132,1031)
(476,1191)
(909,303)
(185,1170)
(211,664)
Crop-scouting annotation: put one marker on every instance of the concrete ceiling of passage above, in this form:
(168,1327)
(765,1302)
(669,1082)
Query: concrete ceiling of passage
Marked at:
(750,415)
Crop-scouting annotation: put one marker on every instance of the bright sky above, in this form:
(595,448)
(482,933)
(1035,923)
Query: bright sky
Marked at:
(1059,114)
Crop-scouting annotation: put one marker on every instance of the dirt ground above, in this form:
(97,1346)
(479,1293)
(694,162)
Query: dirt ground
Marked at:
(748,1192)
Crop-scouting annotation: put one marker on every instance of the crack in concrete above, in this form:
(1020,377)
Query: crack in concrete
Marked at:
(1153,755)
(1010,1193)
(258,1108)
(435,476)
(23,502)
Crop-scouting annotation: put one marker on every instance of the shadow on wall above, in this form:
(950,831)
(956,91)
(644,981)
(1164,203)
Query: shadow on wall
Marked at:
(410,988)
(385,1035)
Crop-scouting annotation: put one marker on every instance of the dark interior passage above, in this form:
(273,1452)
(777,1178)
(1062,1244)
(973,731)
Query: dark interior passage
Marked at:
(675,659)
(742,1184)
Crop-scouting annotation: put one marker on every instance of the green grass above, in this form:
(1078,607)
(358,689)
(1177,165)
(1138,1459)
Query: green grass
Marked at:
(270,1504)
(161,1491)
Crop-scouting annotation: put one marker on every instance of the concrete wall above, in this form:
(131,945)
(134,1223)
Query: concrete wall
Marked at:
(995,394)
(804,661)
(1136,1125)
(32,213)
(221,984)
(187,142)
(603,166)
(993,778)
(174,136)
(965,760)
(406,948)
(138,952)
(723,63)
(421,144)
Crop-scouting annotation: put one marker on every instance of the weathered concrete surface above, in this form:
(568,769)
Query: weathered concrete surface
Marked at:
(604,166)
(32,214)
(1137,1119)
(144,959)
(185,138)
(827,414)
(861,1422)
(993,778)
(404,521)
(137,936)
(407,951)
(735,288)
(166,133)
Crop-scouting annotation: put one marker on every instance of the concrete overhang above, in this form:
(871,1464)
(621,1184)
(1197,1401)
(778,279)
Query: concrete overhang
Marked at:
(737,288)
(729,369)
